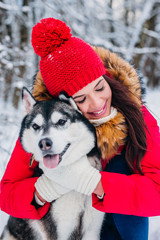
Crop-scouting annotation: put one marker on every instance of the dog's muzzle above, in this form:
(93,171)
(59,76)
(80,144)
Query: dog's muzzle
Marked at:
(50,159)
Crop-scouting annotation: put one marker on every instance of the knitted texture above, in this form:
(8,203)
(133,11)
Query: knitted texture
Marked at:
(67,63)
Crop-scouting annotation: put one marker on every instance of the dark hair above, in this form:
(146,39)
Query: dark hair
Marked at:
(136,140)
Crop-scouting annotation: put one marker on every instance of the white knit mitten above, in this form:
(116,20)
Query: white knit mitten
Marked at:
(48,189)
(79,176)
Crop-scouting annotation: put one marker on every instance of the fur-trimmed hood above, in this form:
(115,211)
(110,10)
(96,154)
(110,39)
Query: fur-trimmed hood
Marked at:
(112,134)
(122,71)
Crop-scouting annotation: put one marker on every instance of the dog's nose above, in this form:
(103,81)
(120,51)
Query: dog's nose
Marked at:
(45,144)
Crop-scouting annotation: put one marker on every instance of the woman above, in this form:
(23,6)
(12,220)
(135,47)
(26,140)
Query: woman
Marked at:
(107,91)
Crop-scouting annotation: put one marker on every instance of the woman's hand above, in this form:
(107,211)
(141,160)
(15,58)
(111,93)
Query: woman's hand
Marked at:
(79,176)
(99,189)
(39,196)
(48,190)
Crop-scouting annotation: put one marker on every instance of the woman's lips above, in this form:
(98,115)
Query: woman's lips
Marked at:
(100,112)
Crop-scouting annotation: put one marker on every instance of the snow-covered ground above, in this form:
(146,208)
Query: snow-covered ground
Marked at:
(11,130)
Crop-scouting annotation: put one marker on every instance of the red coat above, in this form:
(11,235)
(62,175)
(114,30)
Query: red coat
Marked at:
(133,195)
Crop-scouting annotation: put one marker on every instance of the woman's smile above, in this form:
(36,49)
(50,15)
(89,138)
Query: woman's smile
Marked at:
(99,113)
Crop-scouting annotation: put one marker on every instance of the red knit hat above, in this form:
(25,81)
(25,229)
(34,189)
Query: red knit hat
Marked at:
(67,63)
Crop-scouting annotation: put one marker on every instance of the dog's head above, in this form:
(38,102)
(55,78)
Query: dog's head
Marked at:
(54,132)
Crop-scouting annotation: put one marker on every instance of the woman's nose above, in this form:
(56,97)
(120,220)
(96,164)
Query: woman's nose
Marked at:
(94,102)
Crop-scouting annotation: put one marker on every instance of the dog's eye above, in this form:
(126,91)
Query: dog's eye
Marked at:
(61,122)
(35,126)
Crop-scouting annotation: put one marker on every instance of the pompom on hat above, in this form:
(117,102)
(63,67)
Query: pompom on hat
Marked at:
(67,63)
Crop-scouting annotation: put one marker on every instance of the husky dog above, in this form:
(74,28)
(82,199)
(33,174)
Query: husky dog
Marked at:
(68,133)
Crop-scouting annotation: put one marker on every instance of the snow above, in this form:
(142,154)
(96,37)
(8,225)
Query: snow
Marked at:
(138,28)
(153,104)
(9,132)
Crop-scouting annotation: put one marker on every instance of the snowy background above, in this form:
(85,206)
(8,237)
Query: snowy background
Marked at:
(129,28)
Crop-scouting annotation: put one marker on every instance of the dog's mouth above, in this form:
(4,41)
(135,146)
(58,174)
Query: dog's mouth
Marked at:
(52,160)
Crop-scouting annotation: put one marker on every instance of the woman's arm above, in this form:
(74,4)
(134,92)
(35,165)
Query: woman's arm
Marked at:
(135,194)
(17,187)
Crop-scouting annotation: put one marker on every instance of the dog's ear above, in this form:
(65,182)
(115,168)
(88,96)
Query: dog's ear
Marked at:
(64,97)
(28,100)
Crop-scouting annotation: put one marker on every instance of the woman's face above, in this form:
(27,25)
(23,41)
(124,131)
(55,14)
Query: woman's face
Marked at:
(94,100)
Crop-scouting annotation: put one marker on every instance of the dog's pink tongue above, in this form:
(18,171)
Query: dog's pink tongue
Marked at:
(51,161)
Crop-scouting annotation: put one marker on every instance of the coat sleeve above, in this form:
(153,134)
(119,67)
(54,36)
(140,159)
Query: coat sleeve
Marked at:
(17,187)
(135,194)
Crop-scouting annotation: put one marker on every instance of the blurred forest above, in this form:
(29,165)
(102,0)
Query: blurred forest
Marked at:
(130,28)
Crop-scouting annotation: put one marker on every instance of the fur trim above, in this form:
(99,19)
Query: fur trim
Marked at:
(111,135)
(40,92)
(122,71)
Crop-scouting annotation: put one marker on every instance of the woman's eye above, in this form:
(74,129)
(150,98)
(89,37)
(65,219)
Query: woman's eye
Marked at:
(81,101)
(100,89)
(35,126)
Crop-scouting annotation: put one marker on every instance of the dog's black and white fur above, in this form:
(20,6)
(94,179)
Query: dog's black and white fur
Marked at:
(71,217)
